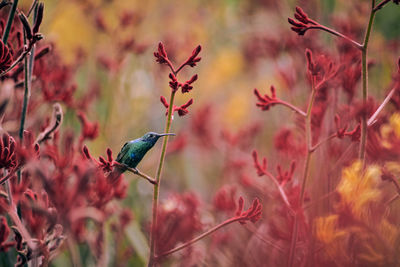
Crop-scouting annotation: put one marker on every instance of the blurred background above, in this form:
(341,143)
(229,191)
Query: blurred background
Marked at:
(108,47)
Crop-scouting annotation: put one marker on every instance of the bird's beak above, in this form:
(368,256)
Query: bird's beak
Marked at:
(164,134)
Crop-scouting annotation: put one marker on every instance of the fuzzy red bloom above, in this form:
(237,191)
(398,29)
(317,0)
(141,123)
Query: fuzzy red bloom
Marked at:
(355,134)
(261,168)
(8,157)
(284,177)
(186,86)
(174,84)
(224,199)
(29,149)
(303,22)
(285,141)
(178,220)
(5,57)
(193,59)
(266,101)
(90,130)
(182,110)
(4,233)
(161,55)
(107,165)
(340,132)
(252,214)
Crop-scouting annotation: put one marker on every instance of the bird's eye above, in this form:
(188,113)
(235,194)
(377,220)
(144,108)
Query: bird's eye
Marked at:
(150,135)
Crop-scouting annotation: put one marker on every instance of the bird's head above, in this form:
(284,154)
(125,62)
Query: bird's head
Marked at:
(152,137)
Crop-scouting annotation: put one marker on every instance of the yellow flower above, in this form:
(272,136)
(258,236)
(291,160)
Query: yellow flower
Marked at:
(387,130)
(394,122)
(333,238)
(358,188)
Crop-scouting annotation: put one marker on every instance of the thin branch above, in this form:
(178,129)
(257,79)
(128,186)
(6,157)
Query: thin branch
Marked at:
(263,239)
(10,21)
(281,191)
(9,175)
(380,108)
(315,147)
(136,171)
(294,108)
(55,123)
(293,242)
(380,5)
(21,228)
(332,31)
(34,3)
(156,190)
(18,60)
(212,230)
(364,71)
(392,199)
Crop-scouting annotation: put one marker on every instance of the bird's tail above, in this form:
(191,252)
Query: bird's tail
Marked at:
(115,174)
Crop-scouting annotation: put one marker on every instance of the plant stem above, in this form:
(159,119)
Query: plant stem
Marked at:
(74,253)
(136,171)
(309,151)
(158,180)
(281,191)
(28,68)
(372,119)
(320,143)
(21,228)
(294,108)
(331,31)
(364,59)
(10,21)
(212,230)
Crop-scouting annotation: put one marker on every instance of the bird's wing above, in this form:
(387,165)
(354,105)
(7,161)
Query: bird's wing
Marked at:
(123,152)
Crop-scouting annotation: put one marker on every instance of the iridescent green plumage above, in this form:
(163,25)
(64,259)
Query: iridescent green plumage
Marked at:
(133,151)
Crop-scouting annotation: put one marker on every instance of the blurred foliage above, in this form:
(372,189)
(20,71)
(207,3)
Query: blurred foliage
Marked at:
(129,102)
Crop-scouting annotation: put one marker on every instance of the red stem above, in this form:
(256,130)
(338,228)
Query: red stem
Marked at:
(194,240)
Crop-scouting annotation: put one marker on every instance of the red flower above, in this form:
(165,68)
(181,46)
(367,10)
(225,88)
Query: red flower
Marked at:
(7,152)
(186,87)
(266,101)
(161,56)
(182,110)
(224,199)
(90,130)
(4,233)
(252,214)
(303,22)
(5,57)
(178,221)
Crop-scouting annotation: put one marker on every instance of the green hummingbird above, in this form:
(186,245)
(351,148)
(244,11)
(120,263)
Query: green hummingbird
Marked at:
(133,151)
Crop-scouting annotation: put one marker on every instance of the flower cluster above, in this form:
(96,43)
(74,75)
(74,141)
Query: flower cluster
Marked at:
(5,57)
(182,110)
(303,22)
(162,58)
(252,214)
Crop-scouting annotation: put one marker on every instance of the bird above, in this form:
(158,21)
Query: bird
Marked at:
(132,152)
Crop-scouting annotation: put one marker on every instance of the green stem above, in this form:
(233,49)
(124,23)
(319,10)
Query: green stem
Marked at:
(28,70)
(364,62)
(309,151)
(10,21)
(25,103)
(26,98)
(158,180)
